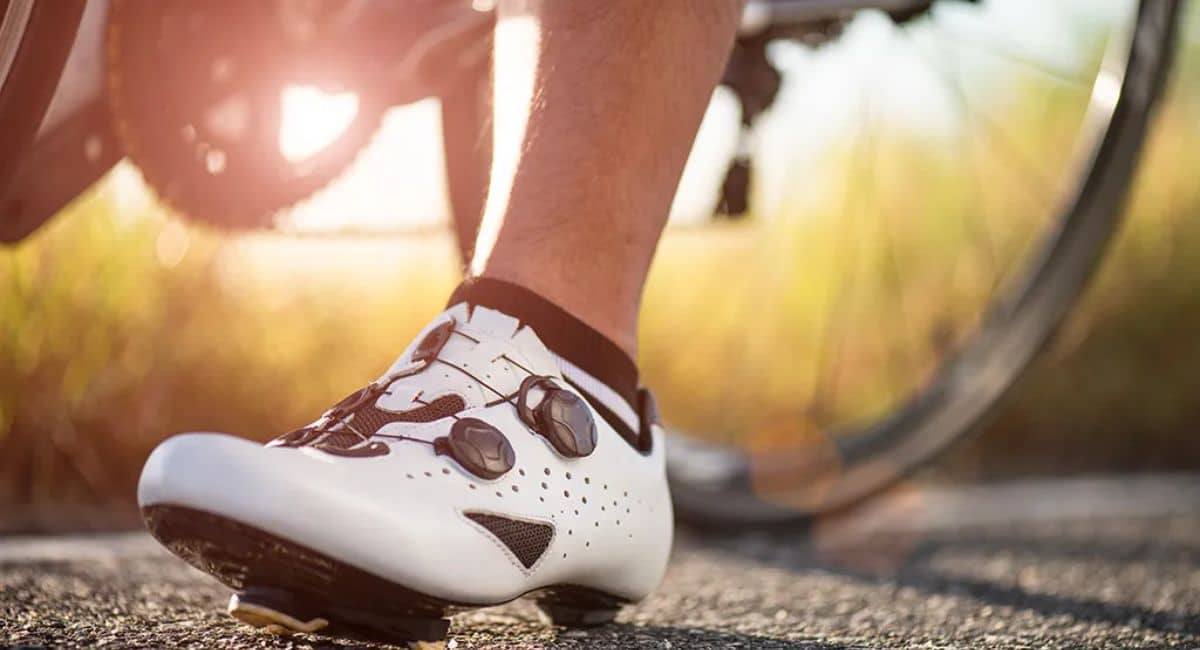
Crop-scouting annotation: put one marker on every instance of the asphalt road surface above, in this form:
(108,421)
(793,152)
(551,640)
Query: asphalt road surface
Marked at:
(1100,563)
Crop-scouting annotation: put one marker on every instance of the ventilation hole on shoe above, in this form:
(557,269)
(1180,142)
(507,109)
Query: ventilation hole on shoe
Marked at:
(587,544)
(527,540)
(521,472)
(576,513)
(445,470)
(409,475)
(570,532)
(618,522)
(627,511)
(564,556)
(606,486)
(542,499)
(585,499)
(471,485)
(516,489)
(428,474)
(499,494)
(544,486)
(597,524)
(601,508)
(566,494)
(547,471)
(568,476)
(626,493)
(587,481)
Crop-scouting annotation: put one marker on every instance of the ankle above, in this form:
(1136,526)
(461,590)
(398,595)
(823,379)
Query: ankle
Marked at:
(598,307)
(591,362)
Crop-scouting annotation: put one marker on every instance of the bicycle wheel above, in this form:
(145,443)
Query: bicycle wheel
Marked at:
(964,235)
(35,39)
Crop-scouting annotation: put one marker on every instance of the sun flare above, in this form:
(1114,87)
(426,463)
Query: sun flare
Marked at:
(312,120)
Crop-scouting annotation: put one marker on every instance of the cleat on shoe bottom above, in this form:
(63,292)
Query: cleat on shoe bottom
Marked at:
(267,609)
(280,612)
(374,522)
(577,607)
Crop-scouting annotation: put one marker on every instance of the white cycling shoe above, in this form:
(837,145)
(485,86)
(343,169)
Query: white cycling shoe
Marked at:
(469,475)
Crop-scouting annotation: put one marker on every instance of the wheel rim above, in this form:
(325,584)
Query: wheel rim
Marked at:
(717,483)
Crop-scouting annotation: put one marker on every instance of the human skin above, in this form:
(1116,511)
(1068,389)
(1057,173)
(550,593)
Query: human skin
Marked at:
(596,104)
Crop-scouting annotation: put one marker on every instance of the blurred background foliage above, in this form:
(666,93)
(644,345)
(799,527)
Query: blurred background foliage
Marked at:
(120,325)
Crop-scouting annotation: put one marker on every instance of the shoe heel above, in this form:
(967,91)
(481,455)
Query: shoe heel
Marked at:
(579,607)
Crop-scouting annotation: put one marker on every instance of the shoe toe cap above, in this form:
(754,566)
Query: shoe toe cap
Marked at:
(195,469)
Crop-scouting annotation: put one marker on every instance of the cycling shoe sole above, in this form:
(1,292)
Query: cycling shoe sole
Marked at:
(285,587)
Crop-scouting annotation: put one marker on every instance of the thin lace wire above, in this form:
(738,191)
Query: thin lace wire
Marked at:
(337,415)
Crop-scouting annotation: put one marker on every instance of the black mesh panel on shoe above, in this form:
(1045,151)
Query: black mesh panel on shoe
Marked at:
(526,539)
(340,440)
(368,418)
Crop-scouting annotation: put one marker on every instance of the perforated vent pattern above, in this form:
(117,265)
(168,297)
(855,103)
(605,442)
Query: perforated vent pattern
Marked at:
(527,540)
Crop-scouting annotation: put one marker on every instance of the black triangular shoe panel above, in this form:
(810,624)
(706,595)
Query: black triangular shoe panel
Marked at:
(527,540)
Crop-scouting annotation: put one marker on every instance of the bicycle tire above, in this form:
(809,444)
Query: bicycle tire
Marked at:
(715,486)
(33,75)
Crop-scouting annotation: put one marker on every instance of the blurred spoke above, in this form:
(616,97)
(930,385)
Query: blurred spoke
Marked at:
(989,129)
(845,263)
(901,355)
(979,225)
(987,43)
(834,298)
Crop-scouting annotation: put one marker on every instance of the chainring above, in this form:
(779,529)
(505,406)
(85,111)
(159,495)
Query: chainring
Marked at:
(195,91)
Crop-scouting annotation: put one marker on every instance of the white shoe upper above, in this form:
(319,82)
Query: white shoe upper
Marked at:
(412,502)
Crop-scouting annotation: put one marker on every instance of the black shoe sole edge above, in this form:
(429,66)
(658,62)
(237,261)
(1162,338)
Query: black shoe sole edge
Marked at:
(276,573)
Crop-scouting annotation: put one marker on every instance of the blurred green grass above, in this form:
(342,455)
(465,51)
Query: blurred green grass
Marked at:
(118,328)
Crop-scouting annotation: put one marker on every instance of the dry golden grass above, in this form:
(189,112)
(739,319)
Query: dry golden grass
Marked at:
(117,330)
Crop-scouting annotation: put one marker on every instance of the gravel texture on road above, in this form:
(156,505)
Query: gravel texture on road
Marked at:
(1122,581)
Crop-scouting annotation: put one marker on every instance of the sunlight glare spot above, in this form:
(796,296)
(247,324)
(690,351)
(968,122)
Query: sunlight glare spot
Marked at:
(517,41)
(172,244)
(312,120)
(214,161)
(1106,91)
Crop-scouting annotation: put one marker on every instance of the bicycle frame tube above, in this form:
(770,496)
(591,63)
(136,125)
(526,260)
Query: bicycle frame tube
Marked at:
(761,14)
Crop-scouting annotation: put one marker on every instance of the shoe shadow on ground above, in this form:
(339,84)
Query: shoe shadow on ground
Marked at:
(625,635)
(1033,570)
(1126,581)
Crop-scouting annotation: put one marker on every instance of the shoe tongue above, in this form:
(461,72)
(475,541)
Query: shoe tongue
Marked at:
(488,326)
(406,358)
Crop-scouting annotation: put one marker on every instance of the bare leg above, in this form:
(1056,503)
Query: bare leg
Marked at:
(597,103)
